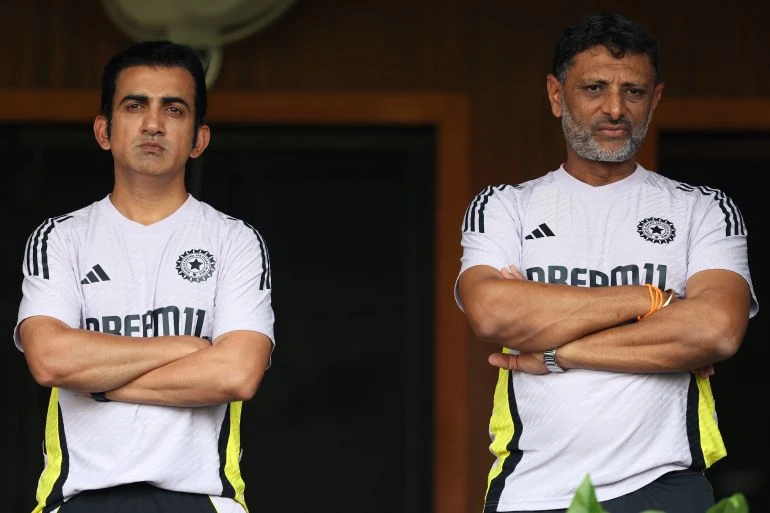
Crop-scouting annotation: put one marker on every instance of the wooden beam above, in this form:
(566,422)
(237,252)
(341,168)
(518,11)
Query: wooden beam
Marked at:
(703,114)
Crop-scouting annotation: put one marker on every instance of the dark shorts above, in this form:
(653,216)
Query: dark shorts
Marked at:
(683,491)
(137,498)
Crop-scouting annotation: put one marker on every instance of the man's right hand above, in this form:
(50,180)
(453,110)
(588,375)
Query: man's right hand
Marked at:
(530,363)
(511,273)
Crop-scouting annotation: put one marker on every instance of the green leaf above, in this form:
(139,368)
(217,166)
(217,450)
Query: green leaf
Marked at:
(584,500)
(734,504)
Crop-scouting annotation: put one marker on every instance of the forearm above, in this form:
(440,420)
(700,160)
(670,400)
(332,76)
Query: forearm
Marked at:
(673,339)
(229,370)
(86,361)
(531,316)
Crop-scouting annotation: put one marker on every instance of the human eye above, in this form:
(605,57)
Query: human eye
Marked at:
(593,88)
(635,92)
(175,110)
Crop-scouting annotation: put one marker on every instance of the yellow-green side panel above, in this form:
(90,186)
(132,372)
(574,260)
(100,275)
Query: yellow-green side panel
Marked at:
(710,438)
(232,467)
(53,452)
(500,425)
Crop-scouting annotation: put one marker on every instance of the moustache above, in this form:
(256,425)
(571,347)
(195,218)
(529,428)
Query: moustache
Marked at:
(609,122)
(151,140)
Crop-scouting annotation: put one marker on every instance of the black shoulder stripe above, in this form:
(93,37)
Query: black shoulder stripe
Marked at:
(469,221)
(474,216)
(44,244)
(32,264)
(265,280)
(27,254)
(734,223)
(36,256)
(743,231)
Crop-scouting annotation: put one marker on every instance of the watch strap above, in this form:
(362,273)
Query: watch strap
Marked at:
(549,359)
(100,397)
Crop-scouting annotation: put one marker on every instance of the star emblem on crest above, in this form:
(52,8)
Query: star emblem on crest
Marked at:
(196,265)
(656,230)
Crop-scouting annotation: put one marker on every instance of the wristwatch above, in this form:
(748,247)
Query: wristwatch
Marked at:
(549,359)
(99,397)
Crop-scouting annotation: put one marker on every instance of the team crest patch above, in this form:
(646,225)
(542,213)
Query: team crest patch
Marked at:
(196,265)
(657,230)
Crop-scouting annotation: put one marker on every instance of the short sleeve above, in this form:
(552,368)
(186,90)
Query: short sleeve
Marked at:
(50,286)
(243,298)
(719,240)
(490,232)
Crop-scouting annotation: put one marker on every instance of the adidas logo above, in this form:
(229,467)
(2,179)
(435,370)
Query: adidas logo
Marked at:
(95,275)
(540,232)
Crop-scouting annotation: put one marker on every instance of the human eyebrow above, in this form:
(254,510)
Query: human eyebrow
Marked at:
(634,85)
(592,84)
(592,80)
(141,98)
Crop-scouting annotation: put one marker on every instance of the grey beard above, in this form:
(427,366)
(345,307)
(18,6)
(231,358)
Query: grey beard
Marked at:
(581,140)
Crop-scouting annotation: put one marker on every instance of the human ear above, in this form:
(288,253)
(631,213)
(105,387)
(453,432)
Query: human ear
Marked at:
(201,142)
(657,93)
(555,92)
(101,132)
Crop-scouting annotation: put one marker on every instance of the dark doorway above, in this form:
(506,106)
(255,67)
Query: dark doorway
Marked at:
(343,420)
(736,163)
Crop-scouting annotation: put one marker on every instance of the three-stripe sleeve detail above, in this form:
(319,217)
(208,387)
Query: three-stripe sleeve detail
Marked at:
(265,279)
(734,223)
(36,251)
(474,215)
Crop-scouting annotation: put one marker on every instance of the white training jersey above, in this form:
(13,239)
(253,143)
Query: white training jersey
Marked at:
(623,430)
(197,272)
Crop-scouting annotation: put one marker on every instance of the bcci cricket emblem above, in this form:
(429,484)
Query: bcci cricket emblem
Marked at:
(657,230)
(196,265)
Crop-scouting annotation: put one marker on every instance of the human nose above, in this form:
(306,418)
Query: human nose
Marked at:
(613,104)
(152,122)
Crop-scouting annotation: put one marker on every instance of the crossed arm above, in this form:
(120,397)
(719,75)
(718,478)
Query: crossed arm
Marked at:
(597,328)
(172,370)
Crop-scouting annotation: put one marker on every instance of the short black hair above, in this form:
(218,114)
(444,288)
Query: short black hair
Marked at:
(619,35)
(163,54)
